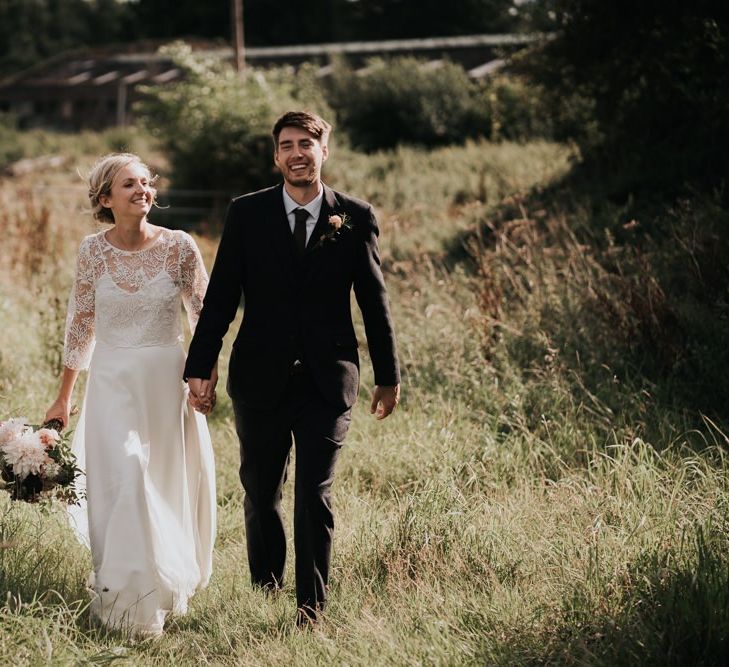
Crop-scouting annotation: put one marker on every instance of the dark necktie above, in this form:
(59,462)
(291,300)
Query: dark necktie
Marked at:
(301,215)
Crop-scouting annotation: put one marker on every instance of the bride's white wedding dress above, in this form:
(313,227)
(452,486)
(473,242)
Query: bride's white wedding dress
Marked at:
(149,518)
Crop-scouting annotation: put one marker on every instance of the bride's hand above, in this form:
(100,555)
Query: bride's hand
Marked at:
(202,396)
(194,401)
(204,408)
(61,409)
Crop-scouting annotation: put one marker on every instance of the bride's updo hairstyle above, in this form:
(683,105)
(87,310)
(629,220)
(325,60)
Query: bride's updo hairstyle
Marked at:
(101,178)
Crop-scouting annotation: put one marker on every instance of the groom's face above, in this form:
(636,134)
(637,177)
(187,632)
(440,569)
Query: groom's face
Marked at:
(299,156)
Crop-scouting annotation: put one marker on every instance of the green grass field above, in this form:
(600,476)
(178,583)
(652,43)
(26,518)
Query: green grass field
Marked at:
(552,490)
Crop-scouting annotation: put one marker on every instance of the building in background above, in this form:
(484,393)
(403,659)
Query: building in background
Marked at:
(96,88)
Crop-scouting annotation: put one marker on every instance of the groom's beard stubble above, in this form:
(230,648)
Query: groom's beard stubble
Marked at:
(308,177)
(300,182)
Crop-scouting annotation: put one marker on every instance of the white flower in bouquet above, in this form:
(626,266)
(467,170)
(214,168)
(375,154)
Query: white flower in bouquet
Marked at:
(12,429)
(27,455)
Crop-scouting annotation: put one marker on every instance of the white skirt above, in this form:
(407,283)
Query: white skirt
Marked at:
(149,516)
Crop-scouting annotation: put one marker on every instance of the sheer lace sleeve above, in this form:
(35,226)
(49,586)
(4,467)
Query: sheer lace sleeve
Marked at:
(193,278)
(79,339)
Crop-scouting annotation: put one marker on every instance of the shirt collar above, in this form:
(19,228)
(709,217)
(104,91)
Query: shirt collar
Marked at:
(313,207)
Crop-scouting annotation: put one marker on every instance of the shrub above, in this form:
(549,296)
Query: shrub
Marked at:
(402,101)
(215,125)
(515,109)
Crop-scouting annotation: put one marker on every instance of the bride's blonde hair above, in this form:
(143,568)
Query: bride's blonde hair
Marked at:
(101,178)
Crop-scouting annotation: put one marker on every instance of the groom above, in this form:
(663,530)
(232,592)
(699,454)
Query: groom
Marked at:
(294,252)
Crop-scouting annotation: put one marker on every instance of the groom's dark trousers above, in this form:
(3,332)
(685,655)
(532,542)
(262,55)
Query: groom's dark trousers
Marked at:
(265,443)
(294,365)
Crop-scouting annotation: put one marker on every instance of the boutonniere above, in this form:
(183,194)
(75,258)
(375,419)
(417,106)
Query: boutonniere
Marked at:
(338,225)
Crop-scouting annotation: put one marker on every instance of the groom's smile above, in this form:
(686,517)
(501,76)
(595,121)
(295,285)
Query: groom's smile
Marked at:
(298,167)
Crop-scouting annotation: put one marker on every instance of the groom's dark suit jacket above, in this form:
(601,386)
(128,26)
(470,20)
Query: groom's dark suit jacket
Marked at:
(295,307)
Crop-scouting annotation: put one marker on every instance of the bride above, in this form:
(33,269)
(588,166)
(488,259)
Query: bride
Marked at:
(149,518)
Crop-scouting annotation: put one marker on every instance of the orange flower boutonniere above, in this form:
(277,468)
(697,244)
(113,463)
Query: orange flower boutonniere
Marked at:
(338,224)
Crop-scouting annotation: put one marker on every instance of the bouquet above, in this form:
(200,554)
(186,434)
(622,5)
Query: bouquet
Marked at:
(36,461)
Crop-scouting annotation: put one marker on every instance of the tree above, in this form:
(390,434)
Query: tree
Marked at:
(657,77)
(32,30)
(168,19)
(398,19)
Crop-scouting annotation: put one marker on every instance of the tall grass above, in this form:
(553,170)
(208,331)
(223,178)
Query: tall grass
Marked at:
(537,498)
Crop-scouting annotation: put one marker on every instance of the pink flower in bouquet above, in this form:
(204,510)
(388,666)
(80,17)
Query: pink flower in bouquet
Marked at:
(336,221)
(48,437)
(12,429)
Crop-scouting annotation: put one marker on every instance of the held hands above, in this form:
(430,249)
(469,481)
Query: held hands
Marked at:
(384,400)
(202,392)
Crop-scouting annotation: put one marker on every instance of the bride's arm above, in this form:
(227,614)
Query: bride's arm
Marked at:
(61,407)
(194,281)
(79,338)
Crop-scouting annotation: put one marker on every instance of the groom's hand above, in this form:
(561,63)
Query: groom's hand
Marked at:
(202,392)
(384,400)
(203,407)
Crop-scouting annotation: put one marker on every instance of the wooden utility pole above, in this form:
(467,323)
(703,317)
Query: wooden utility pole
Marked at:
(236,10)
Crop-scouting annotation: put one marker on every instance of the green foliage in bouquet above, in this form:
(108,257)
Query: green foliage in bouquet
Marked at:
(36,462)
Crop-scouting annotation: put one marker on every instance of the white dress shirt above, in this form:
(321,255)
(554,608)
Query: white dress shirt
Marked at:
(313,208)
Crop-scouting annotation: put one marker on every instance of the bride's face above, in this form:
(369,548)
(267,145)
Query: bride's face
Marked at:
(131,194)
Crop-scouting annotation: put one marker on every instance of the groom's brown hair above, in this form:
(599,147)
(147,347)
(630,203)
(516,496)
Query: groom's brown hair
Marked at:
(317,127)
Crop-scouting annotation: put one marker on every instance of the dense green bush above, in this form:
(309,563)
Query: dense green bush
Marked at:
(402,101)
(405,101)
(215,125)
(515,109)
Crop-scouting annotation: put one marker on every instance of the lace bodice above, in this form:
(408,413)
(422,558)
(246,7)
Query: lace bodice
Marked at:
(132,298)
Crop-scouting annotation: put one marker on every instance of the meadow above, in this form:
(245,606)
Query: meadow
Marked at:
(551,489)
